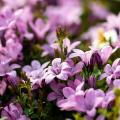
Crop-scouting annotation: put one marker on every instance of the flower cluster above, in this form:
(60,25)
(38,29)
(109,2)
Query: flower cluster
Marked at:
(61,56)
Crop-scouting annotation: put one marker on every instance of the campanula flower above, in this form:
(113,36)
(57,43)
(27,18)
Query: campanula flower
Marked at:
(35,72)
(58,69)
(13,112)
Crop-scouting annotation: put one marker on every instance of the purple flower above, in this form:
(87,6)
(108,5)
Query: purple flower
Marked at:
(81,101)
(108,97)
(47,50)
(57,91)
(93,54)
(100,9)
(7,69)
(69,102)
(77,68)
(13,112)
(40,28)
(35,72)
(15,4)
(100,117)
(89,102)
(10,34)
(53,46)
(3,86)
(113,22)
(75,84)
(92,82)
(23,30)
(8,19)
(59,69)
(57,16)
(112,73)
(11,50)
(26,15)
(116,83)
(19,3)
(51,37)
(67,46)
(70,46)
(108,71)
(85,56)
(60,90)
(74,88)
(69,2)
